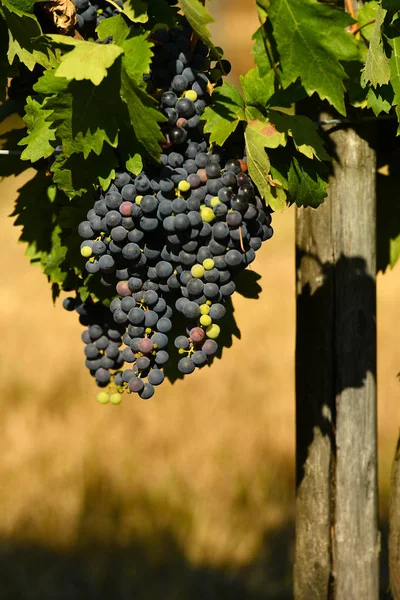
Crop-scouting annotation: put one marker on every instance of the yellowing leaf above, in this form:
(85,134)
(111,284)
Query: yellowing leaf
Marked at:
(87,60)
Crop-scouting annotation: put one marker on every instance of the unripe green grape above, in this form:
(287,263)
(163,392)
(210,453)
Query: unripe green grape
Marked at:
(205,320)
(103,398)
(213,331)
(207,214)
(204,309)
(86,251)
(208,264)
(183,186)
(115,398)
(197,271)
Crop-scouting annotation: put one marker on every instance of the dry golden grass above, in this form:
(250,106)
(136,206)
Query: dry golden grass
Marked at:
(189,495)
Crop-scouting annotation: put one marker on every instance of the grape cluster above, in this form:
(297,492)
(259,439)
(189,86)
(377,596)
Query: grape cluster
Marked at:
(90,14)
(170,241)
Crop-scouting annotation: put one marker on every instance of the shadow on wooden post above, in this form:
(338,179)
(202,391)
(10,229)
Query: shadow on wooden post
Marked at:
(337,540)
(394,527)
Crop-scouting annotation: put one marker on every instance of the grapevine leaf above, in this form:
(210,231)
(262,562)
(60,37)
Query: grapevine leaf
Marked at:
(40,132)
(394,64)
(85,115)
(23,31)
(367,13)
(265,50)
(143,115)
(115,27)
(199,18)
(53,260)
(137,57)
(381,99)
(259,164)
(307,182)
(34,211)
(258,90)
(160,11)
(394,251)
(23,6)
(312,40)
(135,10)
(48,83)
(224,114)
(4,65)
(129,149)
(377,68)
(357,94)
(303,131)
(264,131)
(75,176)
(87,60)
(391,5)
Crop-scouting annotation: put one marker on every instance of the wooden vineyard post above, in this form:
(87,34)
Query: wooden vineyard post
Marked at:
(394,527)
(337,539)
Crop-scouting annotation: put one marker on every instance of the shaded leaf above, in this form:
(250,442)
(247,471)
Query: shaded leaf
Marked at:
(40,132)
(303,131)
(224,114)
(258,90)
(75,176)
(199,18)
(143,115)
(307,183)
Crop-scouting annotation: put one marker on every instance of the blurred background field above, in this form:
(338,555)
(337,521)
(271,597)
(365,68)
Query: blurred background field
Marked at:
(189,495)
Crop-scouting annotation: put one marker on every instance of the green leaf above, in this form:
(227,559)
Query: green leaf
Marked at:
(199,18)
(367,13)
(52,261)
(394,62)
(265,50)
(394,251)
(23,31)
(23,6)
(160,11)
(137,56)
(143,115)
(40,132)
(85,115)
(35,214)
(312,40)
(303,131)
(377,68)
(257,89)
(259,165)
(4,65)
(135,10)
(381,99)
(224,114)
(115,27)
(391,5)
(87,60)
(75,176)
(307,182)
(129,149)
(48,83)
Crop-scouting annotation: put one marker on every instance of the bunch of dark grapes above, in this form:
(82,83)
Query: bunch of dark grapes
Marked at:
(170,241)
(90,14)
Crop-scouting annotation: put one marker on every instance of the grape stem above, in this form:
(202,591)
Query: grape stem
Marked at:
(241,238)
(115,5)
